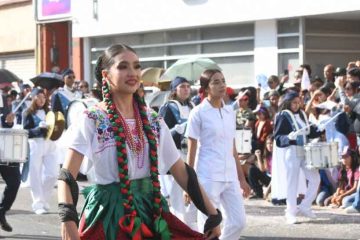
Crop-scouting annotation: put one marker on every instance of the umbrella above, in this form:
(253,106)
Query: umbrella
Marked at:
(151,75)
(157,99)
(48,80)
(189,68)
(7,77)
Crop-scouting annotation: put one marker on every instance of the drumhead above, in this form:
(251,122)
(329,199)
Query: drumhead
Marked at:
(10,131)
(13,146)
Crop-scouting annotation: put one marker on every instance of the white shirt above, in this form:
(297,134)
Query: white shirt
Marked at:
(214,129)
(68,93)
(92,137)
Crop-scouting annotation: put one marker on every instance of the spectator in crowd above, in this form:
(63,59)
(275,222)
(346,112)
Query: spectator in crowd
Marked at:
(229,97)
(273,106)
(315,84)
(245,118)
(260,172)
(329,70)
(350,65)
(355,206)
(84,88)
(353,75)
(327,185)
(95,92)
(263,127)
(345,194)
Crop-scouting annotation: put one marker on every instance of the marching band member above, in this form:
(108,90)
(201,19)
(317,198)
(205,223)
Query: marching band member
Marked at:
(9,173)
(211,142)
(61,97)
(336,124)
(25,89)
(43,168)
(60,100)
(176,113)
(291,132)
(128,145)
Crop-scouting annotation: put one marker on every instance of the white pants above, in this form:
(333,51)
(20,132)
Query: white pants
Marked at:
(227,196)
(43,171)
(293,163)
(187,214)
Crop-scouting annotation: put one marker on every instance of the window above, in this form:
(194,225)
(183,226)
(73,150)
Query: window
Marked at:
(231,46)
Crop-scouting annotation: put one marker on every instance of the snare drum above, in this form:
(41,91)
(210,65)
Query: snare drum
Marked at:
(321,155)
(13,145)
(243,140)
(77,107)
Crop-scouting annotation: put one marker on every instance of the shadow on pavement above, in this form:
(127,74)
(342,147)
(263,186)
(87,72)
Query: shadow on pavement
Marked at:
(256,210)
(287,238)
(30,237)
(18,211)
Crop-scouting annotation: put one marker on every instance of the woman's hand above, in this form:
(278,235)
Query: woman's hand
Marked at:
(69,231)
(246,188)
(10,118)
(258,153)
(187,199)
(213,233)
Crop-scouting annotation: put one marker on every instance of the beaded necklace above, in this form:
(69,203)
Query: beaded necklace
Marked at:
(121,153)
(137,146)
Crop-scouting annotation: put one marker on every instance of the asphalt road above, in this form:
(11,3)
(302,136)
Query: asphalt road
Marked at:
(264,221)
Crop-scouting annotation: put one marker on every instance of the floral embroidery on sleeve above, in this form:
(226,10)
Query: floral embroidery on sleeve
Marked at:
(104,132)
(154,119)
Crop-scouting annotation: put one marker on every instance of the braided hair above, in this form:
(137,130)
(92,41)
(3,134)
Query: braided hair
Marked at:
(105,61)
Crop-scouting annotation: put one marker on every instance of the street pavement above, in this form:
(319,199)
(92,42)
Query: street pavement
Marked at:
(264,221)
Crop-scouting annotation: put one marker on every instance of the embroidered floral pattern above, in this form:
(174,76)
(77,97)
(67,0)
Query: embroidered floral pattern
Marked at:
(104,130)
(103,127)
(154,119)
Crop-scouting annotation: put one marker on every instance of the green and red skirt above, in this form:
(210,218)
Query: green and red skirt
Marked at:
(103,215)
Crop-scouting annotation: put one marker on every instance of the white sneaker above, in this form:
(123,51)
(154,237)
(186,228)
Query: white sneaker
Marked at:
(46,207)
(351,209)
(307,213)
(290,219)
(40,211)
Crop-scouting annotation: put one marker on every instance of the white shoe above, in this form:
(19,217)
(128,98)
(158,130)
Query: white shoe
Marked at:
(290,219)
(46,207)
(307,213)
(40,211)
(351,209)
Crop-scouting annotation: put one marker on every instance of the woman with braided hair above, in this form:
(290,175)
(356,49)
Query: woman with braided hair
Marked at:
(128,146)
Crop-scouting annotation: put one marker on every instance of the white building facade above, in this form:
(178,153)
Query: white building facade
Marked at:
(246,38)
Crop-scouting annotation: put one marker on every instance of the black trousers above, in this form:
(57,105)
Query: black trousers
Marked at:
(11,175)
(257,179)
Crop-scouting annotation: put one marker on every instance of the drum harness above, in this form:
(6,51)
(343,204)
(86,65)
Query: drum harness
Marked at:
(291,118)
(180,117)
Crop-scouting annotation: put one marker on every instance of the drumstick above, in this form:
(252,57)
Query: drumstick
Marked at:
(332,118)
(325,123)
(21,103)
